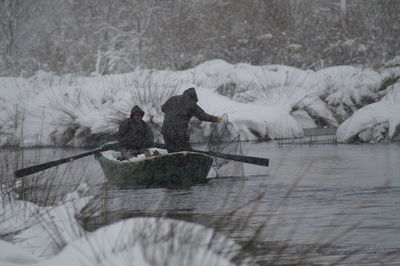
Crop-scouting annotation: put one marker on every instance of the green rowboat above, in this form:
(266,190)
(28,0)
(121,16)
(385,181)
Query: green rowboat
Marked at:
(164,170)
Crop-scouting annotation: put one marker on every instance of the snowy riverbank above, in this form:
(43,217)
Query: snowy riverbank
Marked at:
(51,235)
(262,102)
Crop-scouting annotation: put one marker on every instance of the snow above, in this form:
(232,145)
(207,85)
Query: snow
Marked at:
(114,155)
(270,101)
(374,122)
(145,241)
(52,236)
(344,88)
(43,231)
(13,255)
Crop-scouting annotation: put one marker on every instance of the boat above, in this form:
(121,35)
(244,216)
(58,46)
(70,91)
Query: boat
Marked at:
(184,169)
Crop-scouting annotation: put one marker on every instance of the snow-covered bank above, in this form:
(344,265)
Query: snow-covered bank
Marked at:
(264,102)
(375,122)
(52,236)
(42,231)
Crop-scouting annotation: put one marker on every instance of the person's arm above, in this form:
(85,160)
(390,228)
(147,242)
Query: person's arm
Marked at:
(149,135)
(199,113)
(122,131)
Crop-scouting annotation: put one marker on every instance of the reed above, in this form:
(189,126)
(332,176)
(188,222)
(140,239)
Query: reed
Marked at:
(254,232)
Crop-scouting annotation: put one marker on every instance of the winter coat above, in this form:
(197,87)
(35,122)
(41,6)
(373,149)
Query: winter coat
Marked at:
(178,112)
(135,134)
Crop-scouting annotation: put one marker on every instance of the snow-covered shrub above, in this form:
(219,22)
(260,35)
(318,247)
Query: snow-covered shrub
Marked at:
(375,122)
(346,89)
(275,101)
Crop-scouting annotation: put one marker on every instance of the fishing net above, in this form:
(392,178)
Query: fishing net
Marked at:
(225,139)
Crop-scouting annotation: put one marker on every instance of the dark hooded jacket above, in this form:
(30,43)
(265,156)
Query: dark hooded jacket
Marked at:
(135,134)
(178,112)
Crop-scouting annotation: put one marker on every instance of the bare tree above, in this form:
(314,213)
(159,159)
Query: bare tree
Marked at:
(126,35)
(113,36)
(14,16)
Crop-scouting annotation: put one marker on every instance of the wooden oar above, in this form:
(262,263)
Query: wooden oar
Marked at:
(239,158)
(40,167)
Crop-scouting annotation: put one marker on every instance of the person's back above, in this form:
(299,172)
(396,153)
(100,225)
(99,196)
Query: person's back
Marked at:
(178,112)
(134,133)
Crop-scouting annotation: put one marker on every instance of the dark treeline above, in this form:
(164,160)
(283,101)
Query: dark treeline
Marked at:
(115,36)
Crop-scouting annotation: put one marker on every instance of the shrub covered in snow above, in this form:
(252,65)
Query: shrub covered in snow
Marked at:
(262,102)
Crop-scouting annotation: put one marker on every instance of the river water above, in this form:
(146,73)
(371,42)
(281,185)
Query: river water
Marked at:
(316,204)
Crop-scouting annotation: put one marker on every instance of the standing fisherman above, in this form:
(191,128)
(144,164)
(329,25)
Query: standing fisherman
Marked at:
(178,112)
(135,135)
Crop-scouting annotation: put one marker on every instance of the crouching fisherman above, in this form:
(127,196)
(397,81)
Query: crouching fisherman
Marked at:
(135,135)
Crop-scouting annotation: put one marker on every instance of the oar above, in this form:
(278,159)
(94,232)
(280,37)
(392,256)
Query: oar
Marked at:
(239,158)
(232,157)
(40,167)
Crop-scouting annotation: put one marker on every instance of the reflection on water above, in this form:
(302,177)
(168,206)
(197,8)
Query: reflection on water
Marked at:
(309,196)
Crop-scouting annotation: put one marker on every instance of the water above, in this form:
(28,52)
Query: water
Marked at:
(327,201)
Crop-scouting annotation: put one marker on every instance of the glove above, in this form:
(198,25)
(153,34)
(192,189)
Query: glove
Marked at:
(219,119)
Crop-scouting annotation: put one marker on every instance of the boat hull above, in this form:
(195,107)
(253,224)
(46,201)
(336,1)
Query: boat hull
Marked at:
(172,169)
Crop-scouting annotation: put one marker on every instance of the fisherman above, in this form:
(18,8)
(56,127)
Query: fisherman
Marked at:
(178,111)
(135,135)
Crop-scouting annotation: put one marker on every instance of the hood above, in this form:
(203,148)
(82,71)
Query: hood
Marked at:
(191,93)
(136,109)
